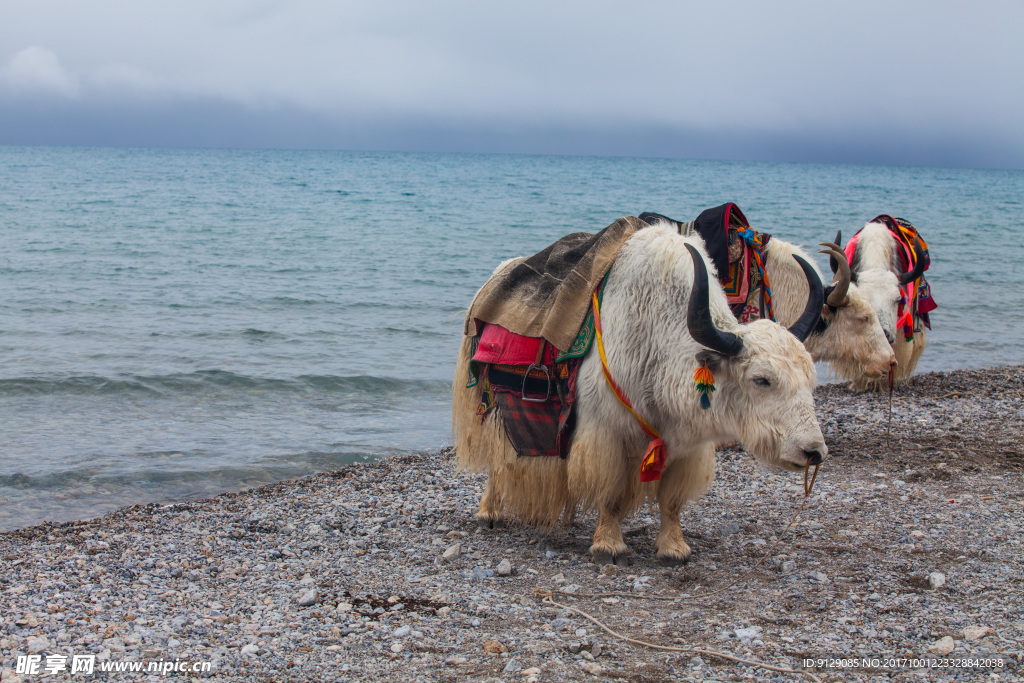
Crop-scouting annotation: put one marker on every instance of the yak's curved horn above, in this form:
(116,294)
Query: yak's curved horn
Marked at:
(833,263)
(835,293)
(698,313)
(918,269)
(808,320)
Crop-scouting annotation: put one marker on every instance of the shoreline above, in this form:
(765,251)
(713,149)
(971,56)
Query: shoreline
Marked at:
(224,580)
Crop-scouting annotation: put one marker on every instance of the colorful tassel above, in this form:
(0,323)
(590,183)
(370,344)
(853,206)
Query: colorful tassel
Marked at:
(705,380)
(905,316)
(654,461)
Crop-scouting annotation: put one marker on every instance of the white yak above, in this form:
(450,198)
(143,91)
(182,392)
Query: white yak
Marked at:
(661,316)
(879,274)
(849,336)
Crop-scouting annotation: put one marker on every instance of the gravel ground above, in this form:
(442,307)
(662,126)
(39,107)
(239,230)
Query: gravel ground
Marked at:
(909,547)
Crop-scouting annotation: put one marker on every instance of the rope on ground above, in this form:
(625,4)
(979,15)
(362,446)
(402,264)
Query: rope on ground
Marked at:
(547,599)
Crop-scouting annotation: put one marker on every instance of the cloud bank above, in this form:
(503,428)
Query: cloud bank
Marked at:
(877,83)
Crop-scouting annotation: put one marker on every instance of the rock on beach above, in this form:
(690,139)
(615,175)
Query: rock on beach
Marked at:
(344,576)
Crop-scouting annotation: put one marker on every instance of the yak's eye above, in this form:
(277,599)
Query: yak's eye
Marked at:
(762,381)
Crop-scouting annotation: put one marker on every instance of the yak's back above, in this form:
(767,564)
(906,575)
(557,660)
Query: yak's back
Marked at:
(548,294)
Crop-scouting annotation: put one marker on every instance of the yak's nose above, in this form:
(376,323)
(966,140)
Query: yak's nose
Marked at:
(889,337)
(813,457)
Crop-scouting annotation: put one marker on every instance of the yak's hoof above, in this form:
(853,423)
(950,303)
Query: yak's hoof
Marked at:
(673,560)
(603,557)
(490,522)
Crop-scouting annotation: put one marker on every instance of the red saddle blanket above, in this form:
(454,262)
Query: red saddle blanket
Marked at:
(498,346)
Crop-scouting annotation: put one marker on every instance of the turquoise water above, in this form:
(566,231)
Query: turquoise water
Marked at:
(175,323)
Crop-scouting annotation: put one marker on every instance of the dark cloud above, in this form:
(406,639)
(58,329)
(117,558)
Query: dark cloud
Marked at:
(206,123)
(877,82)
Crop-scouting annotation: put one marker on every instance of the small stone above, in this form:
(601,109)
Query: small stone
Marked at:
(494,647)
(943,646)
(397,647)
(818,577)
(402,631)
(512,667)
(976,633)
(748,634)
(592,668)
(788,567)
(596,649)
(250,650)
(936,580)
(308,598)
(452,553)
(532,671)
(37,644)
(610,570)
(504,568)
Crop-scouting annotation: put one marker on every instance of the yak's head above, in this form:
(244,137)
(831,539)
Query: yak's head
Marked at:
(764,376)
(879,274)
(850,336)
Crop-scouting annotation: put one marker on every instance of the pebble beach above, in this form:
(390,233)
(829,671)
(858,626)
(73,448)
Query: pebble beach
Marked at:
(905,563)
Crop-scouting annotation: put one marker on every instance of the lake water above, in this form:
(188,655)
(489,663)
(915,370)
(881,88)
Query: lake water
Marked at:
(176,323)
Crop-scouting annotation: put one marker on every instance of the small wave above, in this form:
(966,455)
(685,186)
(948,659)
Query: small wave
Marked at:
(261,335)
(205,381)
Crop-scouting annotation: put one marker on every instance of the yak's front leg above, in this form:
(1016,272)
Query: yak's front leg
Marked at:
(684,478)
(608,546)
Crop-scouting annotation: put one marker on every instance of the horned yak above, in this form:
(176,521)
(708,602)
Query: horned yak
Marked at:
(662,316)
(849,336)
(879,274)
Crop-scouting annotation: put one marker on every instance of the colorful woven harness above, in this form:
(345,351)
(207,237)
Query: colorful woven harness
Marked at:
(907,237)
(753,239)
(654,458)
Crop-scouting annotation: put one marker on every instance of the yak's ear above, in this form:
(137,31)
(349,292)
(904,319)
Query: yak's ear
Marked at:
(714,360)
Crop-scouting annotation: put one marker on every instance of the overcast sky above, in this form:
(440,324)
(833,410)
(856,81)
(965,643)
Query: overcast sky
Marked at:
(906,83)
